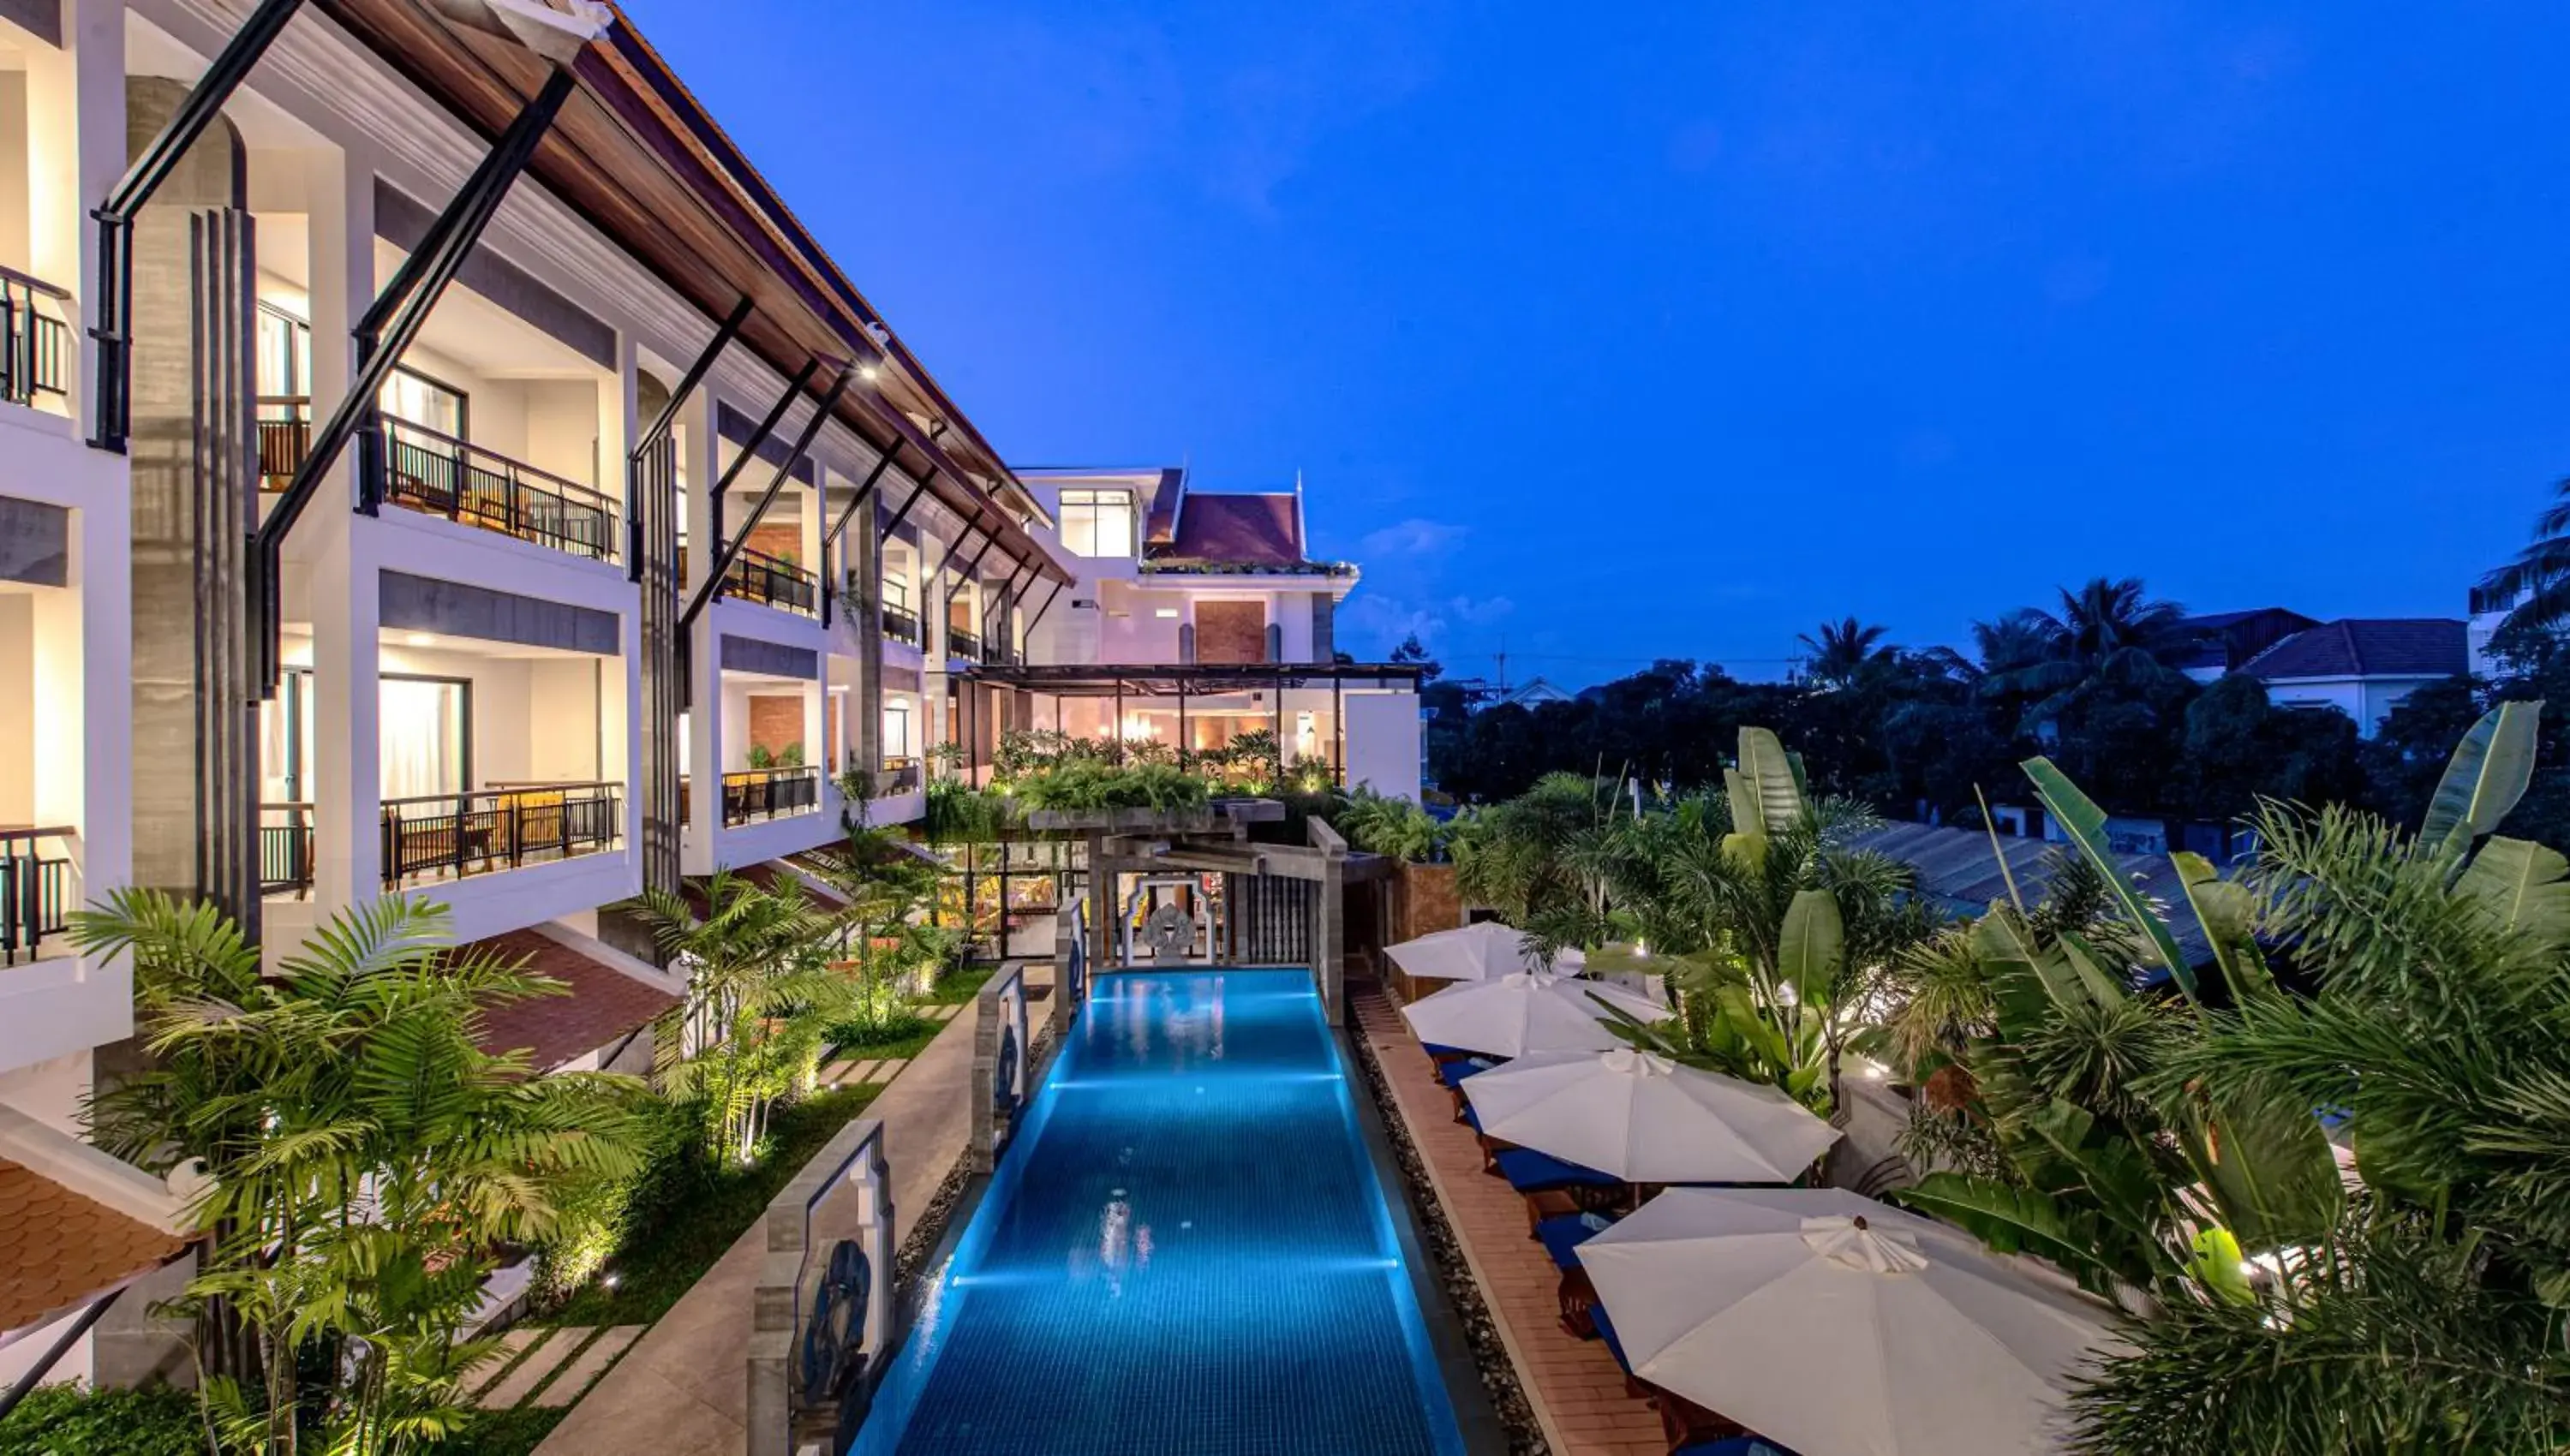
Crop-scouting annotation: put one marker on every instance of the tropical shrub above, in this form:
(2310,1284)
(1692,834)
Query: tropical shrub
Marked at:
(760,995)
(71,1420)
(1396,828)
(363,1155)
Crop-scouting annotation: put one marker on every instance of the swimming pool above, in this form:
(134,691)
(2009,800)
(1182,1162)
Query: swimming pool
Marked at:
(1188,1252)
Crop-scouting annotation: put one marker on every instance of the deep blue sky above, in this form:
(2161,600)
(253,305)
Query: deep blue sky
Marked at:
(1634,338)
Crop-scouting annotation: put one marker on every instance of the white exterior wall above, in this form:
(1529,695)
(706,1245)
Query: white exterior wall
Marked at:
(1383,742)
(2367,700)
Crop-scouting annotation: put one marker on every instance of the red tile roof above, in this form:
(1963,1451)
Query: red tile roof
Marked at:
(1247,531)
(2368,647)
(605,1003)
(60,1248)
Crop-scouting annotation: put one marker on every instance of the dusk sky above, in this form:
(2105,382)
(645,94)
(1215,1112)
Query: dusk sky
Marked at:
(1624,339)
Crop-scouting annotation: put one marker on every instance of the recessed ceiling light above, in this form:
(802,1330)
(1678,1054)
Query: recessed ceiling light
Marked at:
(1167,612)
(418,639)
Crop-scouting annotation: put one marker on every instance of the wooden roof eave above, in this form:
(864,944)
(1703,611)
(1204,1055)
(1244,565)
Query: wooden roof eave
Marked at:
(743,240)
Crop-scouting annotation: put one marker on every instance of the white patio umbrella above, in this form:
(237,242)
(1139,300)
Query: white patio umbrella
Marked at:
(1647,1119)
(1842,1326)
(1483,951)
(1526,1013)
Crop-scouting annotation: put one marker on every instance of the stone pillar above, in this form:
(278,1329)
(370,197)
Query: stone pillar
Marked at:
(77,127)
(192,452)
(1101,905)
(862,550)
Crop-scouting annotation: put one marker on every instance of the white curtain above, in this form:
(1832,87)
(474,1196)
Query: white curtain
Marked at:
(422,737)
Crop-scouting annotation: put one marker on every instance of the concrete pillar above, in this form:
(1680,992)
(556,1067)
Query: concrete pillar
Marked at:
(1101,906)
(335,559)
(704,762)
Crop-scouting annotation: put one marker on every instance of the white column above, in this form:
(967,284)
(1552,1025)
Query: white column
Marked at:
(619,695)
(331,552)
(76,152)
(703,765)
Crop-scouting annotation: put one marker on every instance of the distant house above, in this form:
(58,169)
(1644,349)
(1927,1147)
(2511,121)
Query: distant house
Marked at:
(1535,691)
(2361,666)
(2213,643)
(1958,870)
(2489,611)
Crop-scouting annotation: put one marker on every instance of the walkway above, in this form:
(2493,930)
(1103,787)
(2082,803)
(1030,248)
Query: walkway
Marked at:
(685,1386)
(1574,1385)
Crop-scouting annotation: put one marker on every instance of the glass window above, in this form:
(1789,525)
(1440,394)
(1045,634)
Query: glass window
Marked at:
(424,732)
(284,355)
(896,729)
(896,591)
(424,402)
(1097,523)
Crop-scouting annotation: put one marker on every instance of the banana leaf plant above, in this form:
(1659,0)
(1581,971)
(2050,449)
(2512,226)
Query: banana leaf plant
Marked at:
(2121,1176)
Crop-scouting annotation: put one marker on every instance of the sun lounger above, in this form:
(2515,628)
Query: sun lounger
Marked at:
(1529,1171)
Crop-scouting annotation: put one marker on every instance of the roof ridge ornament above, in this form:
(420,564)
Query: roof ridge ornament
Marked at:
(558,35)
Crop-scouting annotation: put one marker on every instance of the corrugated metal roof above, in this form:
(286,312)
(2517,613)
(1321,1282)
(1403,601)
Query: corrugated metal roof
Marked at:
(1957,869)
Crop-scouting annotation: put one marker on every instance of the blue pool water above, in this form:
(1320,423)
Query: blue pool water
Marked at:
(1187,1253)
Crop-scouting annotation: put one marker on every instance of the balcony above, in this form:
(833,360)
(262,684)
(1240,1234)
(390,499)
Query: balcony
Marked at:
(772,581)
(900,625)
(36,892)
(447,837)
(284,438)
(961,641)
(899,776)
(442,475)
(759,794)
(35,344)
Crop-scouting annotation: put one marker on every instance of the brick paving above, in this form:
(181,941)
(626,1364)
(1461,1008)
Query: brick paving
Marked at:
(1574,1385)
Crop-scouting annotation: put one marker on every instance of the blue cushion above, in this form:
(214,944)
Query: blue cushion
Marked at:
(1453,1073)
(1436,1050)
(1562,1234)
(1733,1446)
(1527,1170)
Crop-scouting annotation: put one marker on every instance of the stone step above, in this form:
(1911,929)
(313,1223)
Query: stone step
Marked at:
(511,1345)
(530,1372)
(884,1070)
(576,1376)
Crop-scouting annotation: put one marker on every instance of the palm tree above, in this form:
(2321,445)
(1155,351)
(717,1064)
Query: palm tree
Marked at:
(2537,583)
(760,993)
(1843,648)
(2103,618)
(363,1154)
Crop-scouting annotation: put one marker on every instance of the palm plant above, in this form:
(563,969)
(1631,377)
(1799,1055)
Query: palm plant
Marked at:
(361,1153)
(760,995)
(1395,828)
(1777,926)
(2432,1317)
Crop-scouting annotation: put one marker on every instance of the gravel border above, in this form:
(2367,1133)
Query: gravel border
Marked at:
(910,1261)
(1481,1332)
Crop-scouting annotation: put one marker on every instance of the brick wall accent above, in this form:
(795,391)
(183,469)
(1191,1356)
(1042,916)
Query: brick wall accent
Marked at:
(783,542)
(1231,631)
(776,720)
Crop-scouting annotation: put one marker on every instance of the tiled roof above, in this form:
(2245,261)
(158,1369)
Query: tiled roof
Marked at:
(1245,531)
(60,1248)
(605,1003)
(2222,640)
(2367,647)
(1956,870)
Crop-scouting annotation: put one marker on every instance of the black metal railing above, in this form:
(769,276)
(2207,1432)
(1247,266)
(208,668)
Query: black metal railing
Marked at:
(35,891)
(284,438)
(901,626)
(772,581)
(35,345)
(453,836)
(770,794)
(963,643)
(899,776)
(444,476)
(286,849)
